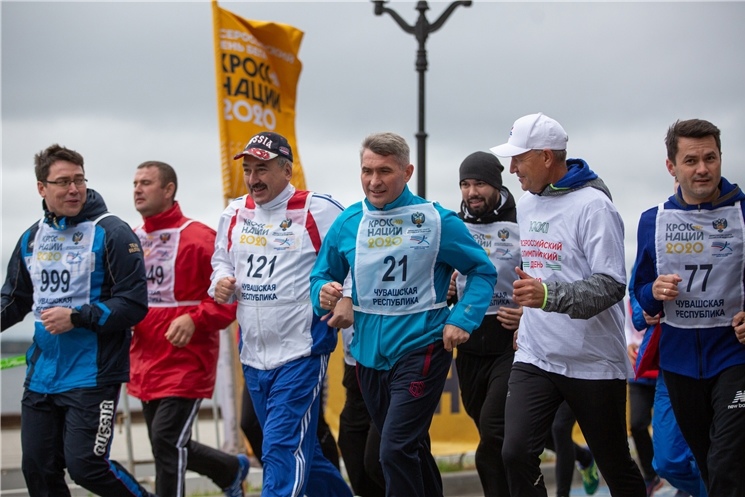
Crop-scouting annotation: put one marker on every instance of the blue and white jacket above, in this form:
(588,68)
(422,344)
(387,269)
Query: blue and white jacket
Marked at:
(97,352)
(699,352)
(270,250)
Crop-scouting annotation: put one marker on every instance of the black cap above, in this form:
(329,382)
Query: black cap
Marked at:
(482,166)
(267,145)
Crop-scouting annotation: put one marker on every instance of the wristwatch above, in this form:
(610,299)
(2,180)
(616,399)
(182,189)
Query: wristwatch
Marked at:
(75,318)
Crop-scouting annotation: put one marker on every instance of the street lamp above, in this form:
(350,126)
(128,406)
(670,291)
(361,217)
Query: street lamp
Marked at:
(421,30)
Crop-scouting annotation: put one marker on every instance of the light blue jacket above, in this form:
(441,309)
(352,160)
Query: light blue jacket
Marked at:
(381,340)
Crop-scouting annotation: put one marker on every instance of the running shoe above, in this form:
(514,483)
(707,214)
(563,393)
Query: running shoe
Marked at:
(653,485)
(590,477)
(236,488)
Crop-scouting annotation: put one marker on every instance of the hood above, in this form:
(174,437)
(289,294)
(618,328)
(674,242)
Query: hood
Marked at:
(729,193)
(94,207)
(579,175)
(502,212)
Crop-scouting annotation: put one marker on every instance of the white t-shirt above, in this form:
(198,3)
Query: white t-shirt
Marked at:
(569,238)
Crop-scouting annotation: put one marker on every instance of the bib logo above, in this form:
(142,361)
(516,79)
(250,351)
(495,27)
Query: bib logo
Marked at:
(164,237)
(164,255)
(721,246)
(503,234)
(539,226)
(285,224)
(252,228)
(418,219)
(385,227)
(720,224)
(420,239)
(77,237)
(74,258)
(684,232)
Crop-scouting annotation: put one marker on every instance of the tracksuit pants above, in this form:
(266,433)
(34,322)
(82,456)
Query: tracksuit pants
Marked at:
(673,459)
(359,441)
(287,400)
(711,416)
(641,401)
(600,407)
(401,402)
(73,430)
(483,387)
(169,422)
(567,451)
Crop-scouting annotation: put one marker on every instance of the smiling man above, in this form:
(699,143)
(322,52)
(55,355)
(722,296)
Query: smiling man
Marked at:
(401,250)
(267,242)
(572,280)
(690,266)
(80,271)
(485,360)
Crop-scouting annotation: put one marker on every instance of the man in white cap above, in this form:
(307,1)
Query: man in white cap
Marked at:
(571,285)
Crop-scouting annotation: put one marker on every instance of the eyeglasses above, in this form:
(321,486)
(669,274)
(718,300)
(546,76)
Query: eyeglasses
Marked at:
(65,182)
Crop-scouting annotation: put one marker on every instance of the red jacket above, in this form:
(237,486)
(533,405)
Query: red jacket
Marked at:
(159,369)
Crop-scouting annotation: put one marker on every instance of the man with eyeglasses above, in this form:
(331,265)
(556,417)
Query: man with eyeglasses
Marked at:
(80,271)
(571,282)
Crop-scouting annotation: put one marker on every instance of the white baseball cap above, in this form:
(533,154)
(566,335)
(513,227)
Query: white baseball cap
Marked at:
(533,132)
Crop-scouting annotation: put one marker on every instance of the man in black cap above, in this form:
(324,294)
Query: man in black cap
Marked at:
(267,242)
(484,361)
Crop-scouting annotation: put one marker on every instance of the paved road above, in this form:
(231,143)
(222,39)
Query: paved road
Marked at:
(457,484)
(461,484)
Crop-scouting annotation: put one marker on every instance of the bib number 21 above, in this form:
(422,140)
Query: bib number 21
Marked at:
(390,261)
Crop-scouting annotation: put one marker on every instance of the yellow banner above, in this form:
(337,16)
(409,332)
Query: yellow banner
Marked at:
(257,72)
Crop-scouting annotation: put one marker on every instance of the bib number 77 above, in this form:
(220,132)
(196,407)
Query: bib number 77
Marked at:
(693,268)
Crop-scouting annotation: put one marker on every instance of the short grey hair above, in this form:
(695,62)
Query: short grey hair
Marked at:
(386,144)
(560,155)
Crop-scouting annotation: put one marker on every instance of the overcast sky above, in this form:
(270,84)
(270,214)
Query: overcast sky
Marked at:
(122,83)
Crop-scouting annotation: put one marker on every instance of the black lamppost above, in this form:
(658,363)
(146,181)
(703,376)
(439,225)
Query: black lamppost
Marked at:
(421,30)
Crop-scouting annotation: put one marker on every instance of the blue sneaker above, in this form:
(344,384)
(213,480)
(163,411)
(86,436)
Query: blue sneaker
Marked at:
(590,477)
(236,488)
